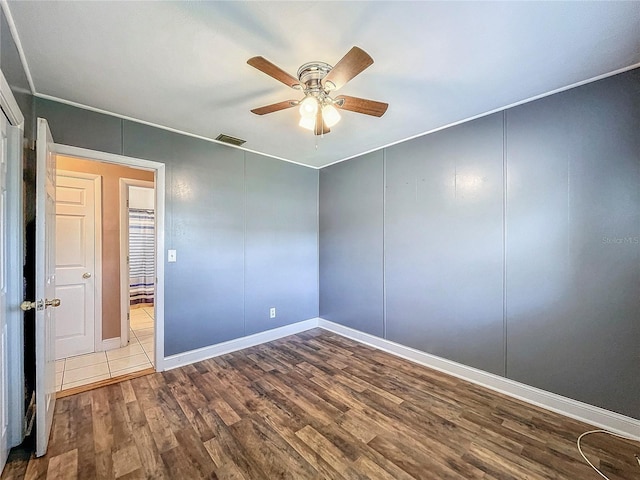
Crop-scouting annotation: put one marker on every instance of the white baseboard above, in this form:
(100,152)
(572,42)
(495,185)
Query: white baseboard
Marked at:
(204,353)
(110,344)
(584,412)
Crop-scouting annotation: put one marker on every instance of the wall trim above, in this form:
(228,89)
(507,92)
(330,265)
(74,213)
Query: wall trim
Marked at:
(375,149)
(491,112)
(192,356)
(568,407)
(14,401)
(15,295)
(583,412)
(163,127)
(159,180)
(109,344)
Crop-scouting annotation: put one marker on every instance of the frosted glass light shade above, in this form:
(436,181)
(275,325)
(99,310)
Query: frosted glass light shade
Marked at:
(330,115)
(308,122)
(308,107)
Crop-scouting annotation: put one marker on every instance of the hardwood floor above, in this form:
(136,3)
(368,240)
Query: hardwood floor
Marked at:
(314,405)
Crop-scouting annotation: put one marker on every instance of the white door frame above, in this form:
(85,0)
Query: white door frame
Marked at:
(159,182)
(125,183)
(4,303)
(15,255)
(97,264)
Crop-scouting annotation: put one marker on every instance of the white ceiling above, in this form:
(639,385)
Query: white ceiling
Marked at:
(182,65)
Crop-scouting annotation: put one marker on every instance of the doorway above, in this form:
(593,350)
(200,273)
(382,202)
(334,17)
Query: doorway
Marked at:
(4,374)
(22,385)
(92,342)
(137,261)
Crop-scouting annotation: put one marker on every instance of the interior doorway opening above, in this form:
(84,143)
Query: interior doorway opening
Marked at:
(92,275)
(21,413)
(137,264)
(141,238)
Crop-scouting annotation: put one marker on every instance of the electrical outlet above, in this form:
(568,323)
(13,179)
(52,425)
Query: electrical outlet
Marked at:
(272,312)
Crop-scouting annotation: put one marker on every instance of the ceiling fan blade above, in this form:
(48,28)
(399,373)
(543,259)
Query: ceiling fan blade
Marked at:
(321,127)
(354,62)
(274,71)
(275,107)
(361,105)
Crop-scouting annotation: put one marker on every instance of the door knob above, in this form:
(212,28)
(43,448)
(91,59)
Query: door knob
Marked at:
(86,275)
(52,303)
(26,306)
(39,305)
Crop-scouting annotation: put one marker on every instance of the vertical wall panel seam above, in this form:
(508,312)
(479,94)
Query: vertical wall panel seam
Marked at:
(568,253)
(318,240)
(504,237)
(384,252)
(121,136)
(169,180)
(244,243)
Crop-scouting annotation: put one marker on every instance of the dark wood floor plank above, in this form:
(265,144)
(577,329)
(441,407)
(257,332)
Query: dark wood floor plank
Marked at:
(126,460)
(101,419)
(190,402)
(64,466)
(194,451)
(328,452)
(230,471)
(104,464)
(286,426)
(359,426)
(250,370)
(276,354)
(372,470)
(228,393)
(313,406)
(179,466)
(297,380)
(84,440)
(307,401)
(161,431)
(273,454)
(17,464)
(150,458)
(224,448)
(412,460)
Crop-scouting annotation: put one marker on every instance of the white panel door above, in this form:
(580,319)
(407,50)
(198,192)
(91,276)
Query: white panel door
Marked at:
(4,416)
(75,265)
(45,286)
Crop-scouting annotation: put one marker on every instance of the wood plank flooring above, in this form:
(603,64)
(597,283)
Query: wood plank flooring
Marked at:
(314,406)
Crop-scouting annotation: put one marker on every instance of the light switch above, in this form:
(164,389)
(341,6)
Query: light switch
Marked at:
(171,256)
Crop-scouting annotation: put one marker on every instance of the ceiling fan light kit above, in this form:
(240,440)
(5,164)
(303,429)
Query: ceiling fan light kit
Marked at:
(307,122)
(318,110)
(308,107)
(330,115)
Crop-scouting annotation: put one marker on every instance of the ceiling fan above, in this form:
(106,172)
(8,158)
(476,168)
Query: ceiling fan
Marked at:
(317,80)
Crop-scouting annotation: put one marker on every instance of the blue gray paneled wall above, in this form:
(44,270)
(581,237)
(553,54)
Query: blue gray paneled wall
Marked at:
(351,246)
(244,227)
(14,73)
(509,243)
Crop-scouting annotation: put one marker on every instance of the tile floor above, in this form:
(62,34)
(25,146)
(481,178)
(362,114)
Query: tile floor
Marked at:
(93,367)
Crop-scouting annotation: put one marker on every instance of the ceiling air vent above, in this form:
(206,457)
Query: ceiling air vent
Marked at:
(229,139)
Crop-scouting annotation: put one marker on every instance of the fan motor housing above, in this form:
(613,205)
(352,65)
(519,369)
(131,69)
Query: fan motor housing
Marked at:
(310,74)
